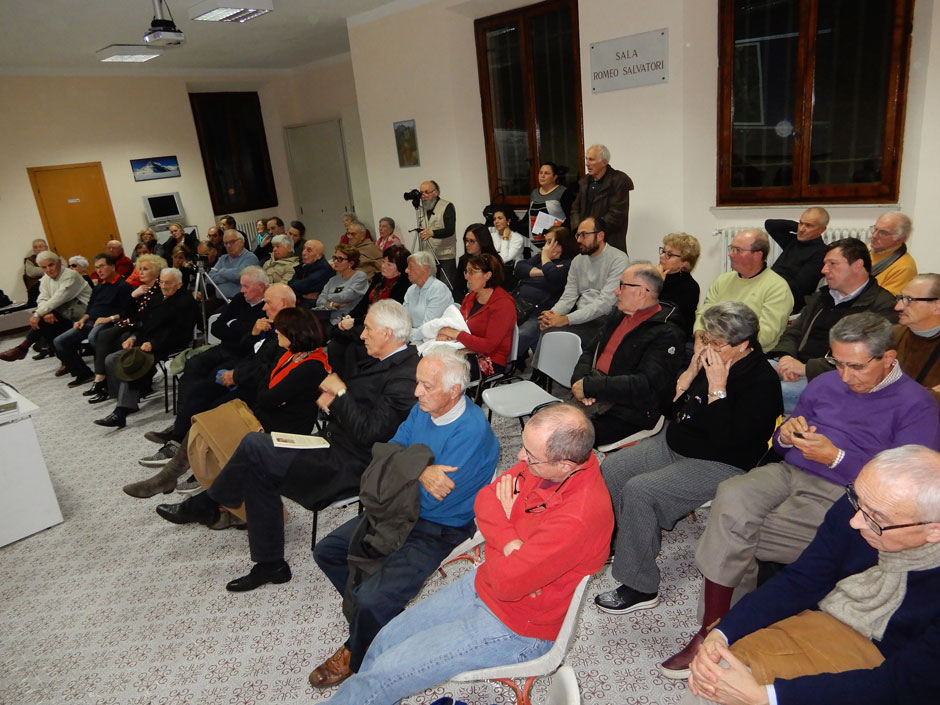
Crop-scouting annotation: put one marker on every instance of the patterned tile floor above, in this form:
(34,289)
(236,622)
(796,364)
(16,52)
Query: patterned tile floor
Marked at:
(117,607)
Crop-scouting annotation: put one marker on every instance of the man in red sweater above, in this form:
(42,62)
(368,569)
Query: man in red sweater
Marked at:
(547,523)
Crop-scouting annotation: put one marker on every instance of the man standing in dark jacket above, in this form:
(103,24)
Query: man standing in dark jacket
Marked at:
(850,288)
(603,192)
(628,376)
(803,249)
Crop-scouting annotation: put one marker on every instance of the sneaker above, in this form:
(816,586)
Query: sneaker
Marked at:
(624,600)
(189,487)
(227,520)
(162,456)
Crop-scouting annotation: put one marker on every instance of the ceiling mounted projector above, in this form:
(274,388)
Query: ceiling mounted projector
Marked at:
(163,31)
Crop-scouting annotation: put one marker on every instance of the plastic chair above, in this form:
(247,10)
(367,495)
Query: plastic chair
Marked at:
(338,504)
(485,382)
(469,550)
(635,438)
(541,666)
(558,354)
(211,339)
(564,689)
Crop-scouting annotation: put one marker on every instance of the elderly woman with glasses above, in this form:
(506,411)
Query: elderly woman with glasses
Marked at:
(724,411)
(344,289)
(677,258)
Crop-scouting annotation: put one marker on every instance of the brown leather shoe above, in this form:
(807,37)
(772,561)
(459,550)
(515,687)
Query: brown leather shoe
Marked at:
(62,371)
(677,666)
(332,671)
(14,354)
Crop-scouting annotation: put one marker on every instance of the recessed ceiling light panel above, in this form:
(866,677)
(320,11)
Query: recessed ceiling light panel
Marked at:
(133,53)
(229,11)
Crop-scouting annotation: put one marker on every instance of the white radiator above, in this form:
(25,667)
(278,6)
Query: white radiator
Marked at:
(248,227)
(831,235)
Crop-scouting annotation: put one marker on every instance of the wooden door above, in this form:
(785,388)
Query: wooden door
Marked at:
(317,158)
(75,208)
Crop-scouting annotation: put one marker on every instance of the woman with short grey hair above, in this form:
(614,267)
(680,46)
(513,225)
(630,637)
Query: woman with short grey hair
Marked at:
(725,408)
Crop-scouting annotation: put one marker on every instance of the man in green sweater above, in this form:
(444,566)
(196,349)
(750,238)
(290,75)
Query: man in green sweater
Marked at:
(754,284)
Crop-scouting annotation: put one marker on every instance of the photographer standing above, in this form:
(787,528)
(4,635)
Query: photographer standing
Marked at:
(438,234)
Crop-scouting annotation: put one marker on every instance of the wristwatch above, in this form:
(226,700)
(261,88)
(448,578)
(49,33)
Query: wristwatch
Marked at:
(719,394)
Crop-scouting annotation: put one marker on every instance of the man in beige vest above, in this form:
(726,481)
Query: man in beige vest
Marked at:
(438,233)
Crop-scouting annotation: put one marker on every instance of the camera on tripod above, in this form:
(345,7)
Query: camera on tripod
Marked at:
(414,196)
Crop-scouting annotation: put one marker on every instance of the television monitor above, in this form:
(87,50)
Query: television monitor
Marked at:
(163,207)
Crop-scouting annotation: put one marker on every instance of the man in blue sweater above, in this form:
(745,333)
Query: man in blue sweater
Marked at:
(856,618)
(465,454)
(845,417)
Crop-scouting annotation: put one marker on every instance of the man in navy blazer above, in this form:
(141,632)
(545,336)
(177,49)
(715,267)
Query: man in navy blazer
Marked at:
(856,618)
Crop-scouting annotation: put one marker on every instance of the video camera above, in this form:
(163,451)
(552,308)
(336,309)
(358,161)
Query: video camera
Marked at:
(414,196)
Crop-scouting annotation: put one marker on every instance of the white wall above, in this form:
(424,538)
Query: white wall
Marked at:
(420,64)
(50,120)
(664,136)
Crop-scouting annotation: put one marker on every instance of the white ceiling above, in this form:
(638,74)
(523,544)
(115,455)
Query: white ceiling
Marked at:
(63,35)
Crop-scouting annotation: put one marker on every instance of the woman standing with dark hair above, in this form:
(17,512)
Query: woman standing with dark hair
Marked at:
(490,314)
(346,348)
(550,198)
(477,240)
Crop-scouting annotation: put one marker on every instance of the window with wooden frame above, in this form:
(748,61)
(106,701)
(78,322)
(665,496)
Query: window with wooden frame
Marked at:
(811,100)
(234,150)
(530,85)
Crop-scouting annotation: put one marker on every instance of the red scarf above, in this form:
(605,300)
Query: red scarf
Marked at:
(285,365)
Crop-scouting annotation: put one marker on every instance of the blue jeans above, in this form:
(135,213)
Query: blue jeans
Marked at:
(450,632)
(791,391)
(66,347)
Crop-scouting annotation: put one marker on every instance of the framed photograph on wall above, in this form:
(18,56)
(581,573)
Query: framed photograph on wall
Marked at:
(155,168)
(406,142)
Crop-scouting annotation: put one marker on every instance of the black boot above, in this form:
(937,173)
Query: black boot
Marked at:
(116,419)
(96,389)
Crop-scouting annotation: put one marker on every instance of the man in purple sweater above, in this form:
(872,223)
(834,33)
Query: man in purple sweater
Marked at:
(843,418)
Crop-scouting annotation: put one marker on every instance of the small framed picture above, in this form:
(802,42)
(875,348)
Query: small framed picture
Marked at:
(155,168)
(406,142)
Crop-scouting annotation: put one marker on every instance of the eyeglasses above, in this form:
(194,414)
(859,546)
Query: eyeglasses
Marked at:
(75,266)
(714,343)
(584,233)
(427,193)
(881,231)
(872,524)
(906,300)
(337,258)
(229,242)
(639,286)
(735,250)
(664,251)
(840,365)
(539,508)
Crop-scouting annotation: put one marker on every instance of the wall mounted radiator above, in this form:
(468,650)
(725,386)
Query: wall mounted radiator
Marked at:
(831,235)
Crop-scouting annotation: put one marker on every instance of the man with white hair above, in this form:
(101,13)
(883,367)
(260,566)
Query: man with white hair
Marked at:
(856,618)
(603,192)
(370,256)
(418,495)
(311,274)
(166,327)
(280,266)
(438,235)
(427,297)
(917,338)
(63,297)
(891,264)
(364,410)
(229,266)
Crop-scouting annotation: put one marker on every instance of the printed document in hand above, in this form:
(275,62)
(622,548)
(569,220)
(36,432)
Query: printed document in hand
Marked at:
(298,442)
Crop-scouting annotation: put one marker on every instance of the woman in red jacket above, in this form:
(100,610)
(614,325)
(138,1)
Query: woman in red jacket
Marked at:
(490,314)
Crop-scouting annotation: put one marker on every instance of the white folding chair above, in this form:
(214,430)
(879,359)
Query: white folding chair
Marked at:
(541,666)
(211,339)
(558,354)
(634,438)
(564,689)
